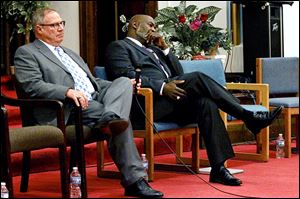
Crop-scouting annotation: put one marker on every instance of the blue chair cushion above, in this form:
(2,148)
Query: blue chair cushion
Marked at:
(100,72)
(287,102)
(254,108)
(281,73)
(162,126)
(213,68)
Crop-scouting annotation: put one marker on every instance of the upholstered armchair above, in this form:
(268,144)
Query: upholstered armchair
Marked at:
(214,68)
(282,75)
(157,130)
(29,138)
(77,135)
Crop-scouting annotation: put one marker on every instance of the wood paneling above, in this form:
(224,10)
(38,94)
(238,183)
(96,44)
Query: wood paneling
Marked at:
(88,31)
(98,29)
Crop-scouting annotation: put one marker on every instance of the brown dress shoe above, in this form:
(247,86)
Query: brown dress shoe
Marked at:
(117,126)
(112,124)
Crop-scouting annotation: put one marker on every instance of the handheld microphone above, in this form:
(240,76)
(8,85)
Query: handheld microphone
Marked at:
(137,78)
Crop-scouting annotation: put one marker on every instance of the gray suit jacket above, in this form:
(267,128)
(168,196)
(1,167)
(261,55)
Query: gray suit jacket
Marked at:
(42,75)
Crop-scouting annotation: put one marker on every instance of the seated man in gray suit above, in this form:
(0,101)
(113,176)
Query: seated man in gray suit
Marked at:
(182,97)
(47,70)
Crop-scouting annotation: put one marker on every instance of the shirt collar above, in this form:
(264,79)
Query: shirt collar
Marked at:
(135,41)
(52,48)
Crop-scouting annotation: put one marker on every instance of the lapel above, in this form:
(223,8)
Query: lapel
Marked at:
(47,53)
(142,50)
(149,54)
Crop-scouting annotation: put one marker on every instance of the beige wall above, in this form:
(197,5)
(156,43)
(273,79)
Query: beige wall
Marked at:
(69,11)
(291,30)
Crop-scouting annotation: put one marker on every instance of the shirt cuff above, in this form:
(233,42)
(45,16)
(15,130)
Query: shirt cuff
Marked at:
(162,88)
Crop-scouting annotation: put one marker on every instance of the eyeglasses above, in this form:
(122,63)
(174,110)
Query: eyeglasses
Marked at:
(55,25)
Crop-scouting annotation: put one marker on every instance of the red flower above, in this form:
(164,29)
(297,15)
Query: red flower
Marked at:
(204,17)
(181,19)
(195,25)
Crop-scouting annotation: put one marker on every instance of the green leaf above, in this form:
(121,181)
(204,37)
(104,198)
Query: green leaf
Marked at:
(181,7)
(19,25)
(168,13)
(20,11)
(211,11)
(190,9)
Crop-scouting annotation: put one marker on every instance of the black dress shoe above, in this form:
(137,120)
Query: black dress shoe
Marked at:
(223,176)
(142,189)
(261,120)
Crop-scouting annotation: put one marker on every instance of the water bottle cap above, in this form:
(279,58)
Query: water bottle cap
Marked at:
(3,183)
(75,168)
(280,134)
(143,155)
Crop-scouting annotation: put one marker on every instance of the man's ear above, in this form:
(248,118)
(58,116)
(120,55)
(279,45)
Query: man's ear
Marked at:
(134,24)
(38,29)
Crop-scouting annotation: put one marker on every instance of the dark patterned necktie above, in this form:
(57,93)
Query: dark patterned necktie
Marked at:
(162,65)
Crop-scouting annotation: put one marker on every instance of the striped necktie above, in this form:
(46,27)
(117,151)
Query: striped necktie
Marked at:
(82,82)
(162,65)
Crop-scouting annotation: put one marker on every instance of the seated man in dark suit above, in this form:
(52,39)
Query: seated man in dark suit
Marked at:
(183,98)
(45,69)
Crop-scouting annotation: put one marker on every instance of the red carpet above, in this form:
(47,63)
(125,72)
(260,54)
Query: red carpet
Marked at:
(274,179)
(277,178)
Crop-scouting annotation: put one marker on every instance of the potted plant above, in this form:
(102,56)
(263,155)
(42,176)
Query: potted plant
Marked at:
(20,12)
(189,32)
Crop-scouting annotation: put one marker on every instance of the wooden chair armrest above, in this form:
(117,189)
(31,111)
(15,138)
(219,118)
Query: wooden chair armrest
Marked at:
(145,91)
(148,94)
(33,103)
(262,91)
(248,86)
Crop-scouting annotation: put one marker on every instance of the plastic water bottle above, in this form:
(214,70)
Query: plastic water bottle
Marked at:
(4,190)
(75,182)
(280,146)
(145,165)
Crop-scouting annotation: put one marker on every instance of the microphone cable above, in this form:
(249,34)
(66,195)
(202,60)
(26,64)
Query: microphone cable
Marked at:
(178,158)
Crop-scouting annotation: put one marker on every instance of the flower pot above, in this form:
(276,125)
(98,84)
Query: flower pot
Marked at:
(198,57)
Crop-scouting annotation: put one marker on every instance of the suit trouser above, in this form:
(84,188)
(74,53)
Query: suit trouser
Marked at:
(117,98)
(204,99)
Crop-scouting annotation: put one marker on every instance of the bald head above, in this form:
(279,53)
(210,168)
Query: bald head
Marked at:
(139,18)
(139,26)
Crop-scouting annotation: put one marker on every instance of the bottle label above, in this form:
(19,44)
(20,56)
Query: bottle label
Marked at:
(75,180)
(145,165)
(280,143)
(4,195)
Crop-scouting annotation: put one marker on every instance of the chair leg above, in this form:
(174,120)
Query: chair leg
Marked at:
(297,133)
(101,173)
(262,150)
(64,180)
(195,151)
(25,171)
(287,133)
(100,158)
(150,156)
(73,160)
